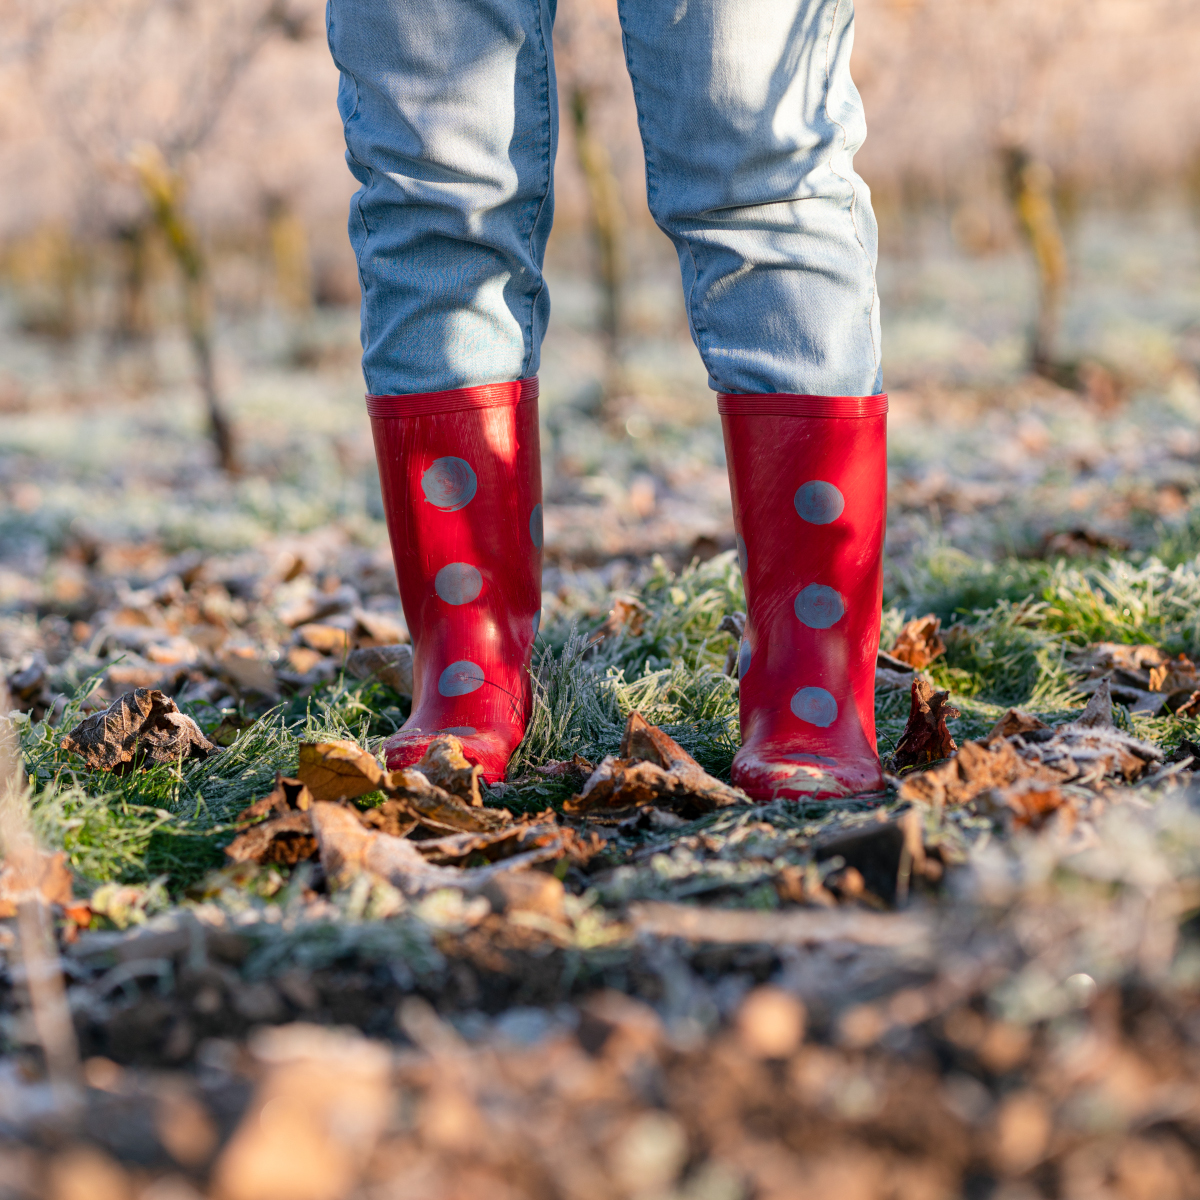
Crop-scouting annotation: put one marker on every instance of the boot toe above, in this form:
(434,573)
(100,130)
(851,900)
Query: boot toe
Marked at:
(777,774)
(490,748)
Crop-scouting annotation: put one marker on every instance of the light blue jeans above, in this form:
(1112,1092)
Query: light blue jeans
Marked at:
(749,122)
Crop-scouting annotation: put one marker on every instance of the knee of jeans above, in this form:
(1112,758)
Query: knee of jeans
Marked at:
(762,192)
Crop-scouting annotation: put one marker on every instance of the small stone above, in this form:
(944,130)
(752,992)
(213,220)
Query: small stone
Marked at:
(526,891)
(770,1023)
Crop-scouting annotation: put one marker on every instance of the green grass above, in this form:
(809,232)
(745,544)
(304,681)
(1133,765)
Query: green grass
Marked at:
(1010,626)
(174,819)
(1137,599)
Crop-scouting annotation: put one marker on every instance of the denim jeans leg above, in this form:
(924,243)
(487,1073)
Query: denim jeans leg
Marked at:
(450,116)
(750,122)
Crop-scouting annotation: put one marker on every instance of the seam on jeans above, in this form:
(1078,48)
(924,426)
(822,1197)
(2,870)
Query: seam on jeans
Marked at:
(549,184)
(652,189)
(356,199)
(853,190)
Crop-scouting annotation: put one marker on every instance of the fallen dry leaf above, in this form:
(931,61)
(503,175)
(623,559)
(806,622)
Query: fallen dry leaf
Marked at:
(128,676)
(392,816)
(326,639)
(1015,721)
(1083,751)
(977,767)
(652,770)
(339,770)
(892,674)
(248,670)
(1098,712)
(302,660)
(347,848)
(391,665)
(317,605)
(628,615)
(494,846)
(1029,805)
(1131,673)
(381,628)
(46,874)
(1107,656)
(577,765)
(643,742)
(439,810)
(1179,674)
(445,766)
(141,728)
(284,840)
(925,738)
(289,795)
(230,729)
(920,642)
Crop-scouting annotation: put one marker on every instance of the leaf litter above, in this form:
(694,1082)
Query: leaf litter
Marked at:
(505,904)
(650,770)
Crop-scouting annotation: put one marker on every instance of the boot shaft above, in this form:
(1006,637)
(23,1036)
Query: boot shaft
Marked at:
(808,477)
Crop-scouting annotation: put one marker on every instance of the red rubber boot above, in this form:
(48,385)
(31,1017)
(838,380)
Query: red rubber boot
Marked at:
(462,490)
(809,481)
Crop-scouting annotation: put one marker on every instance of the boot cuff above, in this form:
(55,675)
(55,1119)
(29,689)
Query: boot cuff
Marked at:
(781,404)
(421,404)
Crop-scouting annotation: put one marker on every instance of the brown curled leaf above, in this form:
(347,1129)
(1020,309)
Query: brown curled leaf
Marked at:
(458,848)
(390,664)
(289,795)
(558,769)
(392,816)
(445,766)
(439,810)
(347,848)
(339,770)
(1015,721)
(284,840)
(140,729)
(920,642)
(926,738)
(653,770)
(976,768)
(49,875)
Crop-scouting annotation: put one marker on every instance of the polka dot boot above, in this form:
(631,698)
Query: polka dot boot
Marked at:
(462,490)
(809,481)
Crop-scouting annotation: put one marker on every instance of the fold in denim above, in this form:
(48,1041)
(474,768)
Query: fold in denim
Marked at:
(749,122)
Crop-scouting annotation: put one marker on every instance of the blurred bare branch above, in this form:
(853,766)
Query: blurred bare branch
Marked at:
(179,64)
(136,87)
(1031,189)
(164,192)
(23,869)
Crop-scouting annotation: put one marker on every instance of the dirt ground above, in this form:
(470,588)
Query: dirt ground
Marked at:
(980,982)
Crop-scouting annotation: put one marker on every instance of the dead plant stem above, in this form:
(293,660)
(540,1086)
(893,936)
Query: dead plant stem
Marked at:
(43,972)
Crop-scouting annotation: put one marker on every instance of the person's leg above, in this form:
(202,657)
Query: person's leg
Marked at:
(750,122)
(451,124)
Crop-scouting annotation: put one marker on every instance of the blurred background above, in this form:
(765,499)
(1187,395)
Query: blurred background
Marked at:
(189,501)
(178,301)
